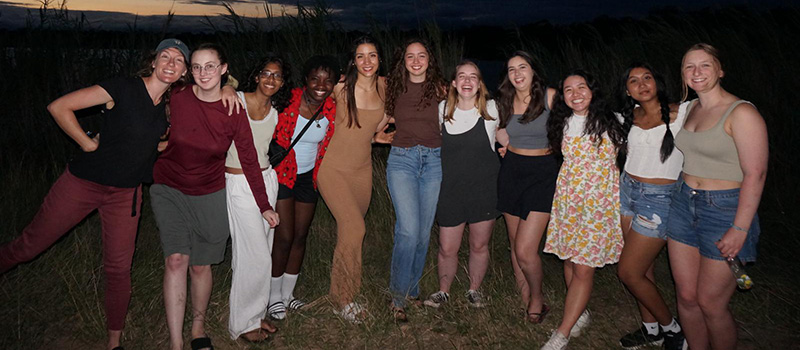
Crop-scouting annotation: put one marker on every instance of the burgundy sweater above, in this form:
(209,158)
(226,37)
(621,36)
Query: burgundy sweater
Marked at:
(200,135)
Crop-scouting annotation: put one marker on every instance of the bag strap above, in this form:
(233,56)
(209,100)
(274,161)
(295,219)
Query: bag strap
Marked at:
(308,124)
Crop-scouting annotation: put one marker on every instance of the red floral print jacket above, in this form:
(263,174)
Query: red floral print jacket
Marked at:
(287,121)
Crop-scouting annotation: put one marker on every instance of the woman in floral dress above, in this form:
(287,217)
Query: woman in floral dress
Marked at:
(584,229)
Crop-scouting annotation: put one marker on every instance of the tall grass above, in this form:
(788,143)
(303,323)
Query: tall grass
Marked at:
(56,300)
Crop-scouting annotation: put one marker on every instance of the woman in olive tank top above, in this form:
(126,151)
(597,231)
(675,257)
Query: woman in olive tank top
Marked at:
(713,212)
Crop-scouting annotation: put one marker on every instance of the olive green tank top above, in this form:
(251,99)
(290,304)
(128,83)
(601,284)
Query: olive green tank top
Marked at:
(710,153)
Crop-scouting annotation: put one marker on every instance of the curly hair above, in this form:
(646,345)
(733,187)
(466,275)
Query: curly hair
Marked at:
(281,98)
(351,76)
(432,88)
(324,62)
(627,104)
(506,92)
(600,120)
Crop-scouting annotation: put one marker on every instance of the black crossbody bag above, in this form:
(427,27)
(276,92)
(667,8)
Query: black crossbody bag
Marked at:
(277,152)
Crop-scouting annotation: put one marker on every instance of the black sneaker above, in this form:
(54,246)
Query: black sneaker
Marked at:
(674,340)
(640,338)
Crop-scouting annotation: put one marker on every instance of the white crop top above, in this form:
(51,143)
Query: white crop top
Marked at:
(464,121)
(644,150)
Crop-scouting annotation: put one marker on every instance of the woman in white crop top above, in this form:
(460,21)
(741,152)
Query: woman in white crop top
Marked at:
(646,185)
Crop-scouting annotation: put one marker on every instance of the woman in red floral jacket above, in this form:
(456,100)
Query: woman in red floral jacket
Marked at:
(297,176)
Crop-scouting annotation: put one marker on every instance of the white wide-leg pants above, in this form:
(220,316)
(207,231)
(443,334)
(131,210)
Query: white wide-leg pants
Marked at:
(251,239)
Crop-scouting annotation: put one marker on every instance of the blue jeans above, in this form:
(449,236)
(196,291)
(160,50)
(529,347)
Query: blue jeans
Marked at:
(414,176)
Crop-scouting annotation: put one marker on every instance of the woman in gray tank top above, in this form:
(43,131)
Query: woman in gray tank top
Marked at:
(713,212)
(528,172)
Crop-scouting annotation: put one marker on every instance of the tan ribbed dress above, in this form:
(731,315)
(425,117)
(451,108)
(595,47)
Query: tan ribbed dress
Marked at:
(345,183)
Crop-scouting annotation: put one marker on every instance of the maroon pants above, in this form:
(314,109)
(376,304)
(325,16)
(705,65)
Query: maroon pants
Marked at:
(69,201)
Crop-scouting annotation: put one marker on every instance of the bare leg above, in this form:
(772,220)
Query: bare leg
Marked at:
(201,294)
(479,235)
(512,224)
(685,263)
(526,248)
(175,272)
(303,214)
(284,236)
(635,270)
(114,338)
(578,293)
(449,242)
(715,287)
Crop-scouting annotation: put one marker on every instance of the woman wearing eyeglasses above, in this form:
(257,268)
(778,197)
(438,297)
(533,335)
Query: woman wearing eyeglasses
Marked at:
(297,176)
(188,195)
(265,93)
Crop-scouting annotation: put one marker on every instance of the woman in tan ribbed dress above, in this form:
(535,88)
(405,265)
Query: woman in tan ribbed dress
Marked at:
(345,175)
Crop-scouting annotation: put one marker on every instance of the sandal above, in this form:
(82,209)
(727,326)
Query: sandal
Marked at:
(296,304)
(277,311)
(202,343)
(538,317)
(258,335)
(399,314)
(353,313)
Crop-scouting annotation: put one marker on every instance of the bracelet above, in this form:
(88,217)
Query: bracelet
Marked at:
(738,228)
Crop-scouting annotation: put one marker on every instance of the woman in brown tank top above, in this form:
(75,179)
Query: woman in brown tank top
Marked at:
(712,215)
(345,175)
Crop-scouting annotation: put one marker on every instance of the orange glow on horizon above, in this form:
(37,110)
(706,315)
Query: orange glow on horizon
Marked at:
(162,7)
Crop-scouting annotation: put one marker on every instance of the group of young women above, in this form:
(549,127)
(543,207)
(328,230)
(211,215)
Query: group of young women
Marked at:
(692,180)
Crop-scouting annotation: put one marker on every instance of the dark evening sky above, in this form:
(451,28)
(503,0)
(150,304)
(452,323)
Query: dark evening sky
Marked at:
(353,14)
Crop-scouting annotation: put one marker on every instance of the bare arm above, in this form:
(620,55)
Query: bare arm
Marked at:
(63,111)
(381,136)
(749,134)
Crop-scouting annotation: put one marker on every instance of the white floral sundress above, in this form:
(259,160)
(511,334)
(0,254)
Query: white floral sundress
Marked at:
(585,219)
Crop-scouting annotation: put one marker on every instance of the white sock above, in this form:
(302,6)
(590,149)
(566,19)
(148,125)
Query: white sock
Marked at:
(287,290)
(652,327)
(275,287)
(673,327)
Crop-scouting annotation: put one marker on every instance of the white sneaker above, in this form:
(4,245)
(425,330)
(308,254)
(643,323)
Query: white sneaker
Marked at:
(437,299)
(353,313)
(580,324)
(557,342)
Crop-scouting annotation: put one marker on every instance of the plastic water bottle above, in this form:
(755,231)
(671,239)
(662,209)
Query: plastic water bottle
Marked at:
(743,280)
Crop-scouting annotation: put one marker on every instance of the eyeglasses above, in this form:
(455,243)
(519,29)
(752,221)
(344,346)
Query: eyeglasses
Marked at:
(265,74)
(208,68)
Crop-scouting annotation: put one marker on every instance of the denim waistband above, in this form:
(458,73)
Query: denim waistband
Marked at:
(636,183)
(695,193)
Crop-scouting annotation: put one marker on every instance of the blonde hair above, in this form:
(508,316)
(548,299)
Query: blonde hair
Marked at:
(452,95)
(707,48)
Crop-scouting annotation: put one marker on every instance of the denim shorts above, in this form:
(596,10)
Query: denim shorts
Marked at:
(700,218)
(647,204)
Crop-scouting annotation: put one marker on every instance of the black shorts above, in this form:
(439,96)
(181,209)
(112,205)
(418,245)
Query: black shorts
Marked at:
(526,184)
(303,190)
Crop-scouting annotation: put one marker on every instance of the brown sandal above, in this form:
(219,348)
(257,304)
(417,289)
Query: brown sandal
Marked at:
(538,317)
(399,314)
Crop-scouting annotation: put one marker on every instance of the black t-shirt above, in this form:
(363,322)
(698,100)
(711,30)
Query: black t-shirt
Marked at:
(129,137)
